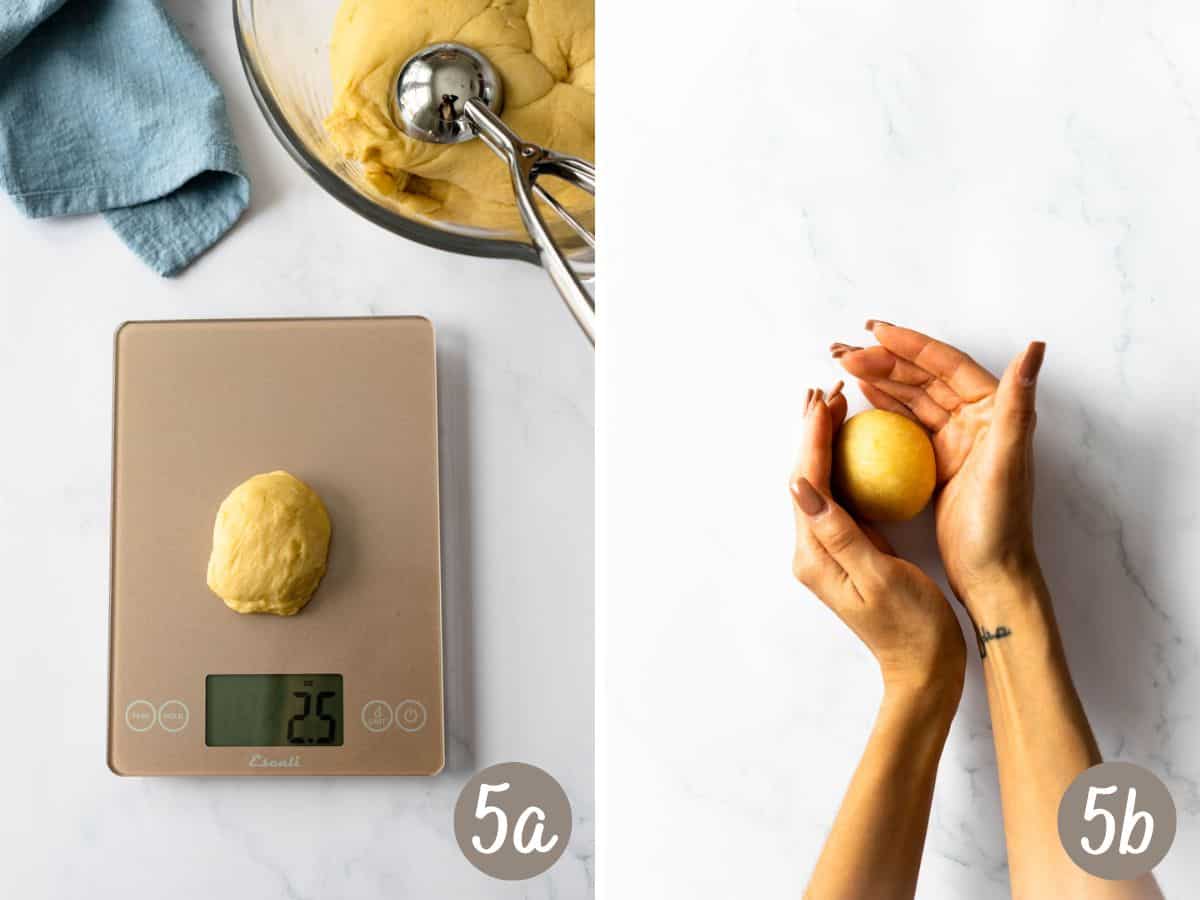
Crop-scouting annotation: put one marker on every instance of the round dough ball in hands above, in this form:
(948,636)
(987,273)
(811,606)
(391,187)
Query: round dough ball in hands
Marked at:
(883,466)
(270,544)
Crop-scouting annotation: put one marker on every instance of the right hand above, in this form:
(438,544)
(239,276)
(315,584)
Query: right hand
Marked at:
(982,430)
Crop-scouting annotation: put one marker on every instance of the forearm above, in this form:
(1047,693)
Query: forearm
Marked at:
(874,848)
(1043,739)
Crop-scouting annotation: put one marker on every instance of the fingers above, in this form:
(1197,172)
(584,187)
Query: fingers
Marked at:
(838,535)
(836,401)
(1016,400)
(812,564)
(955,369)
(930,399)
(816,452)
(922,406)
(881,400)
(879,364)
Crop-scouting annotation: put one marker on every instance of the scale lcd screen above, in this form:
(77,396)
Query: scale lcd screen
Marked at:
(273,710)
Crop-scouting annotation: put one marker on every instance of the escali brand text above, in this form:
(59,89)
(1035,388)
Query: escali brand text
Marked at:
(258,761)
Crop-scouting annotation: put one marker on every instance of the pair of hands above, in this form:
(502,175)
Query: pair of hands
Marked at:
(982,432)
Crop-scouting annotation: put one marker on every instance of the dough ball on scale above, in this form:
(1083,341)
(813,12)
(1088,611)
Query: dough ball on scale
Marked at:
(270,545)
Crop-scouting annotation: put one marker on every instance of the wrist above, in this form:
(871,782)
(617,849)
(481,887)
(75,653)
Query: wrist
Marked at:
(1011,613)
(930,695)
(1006,590)
(919,717)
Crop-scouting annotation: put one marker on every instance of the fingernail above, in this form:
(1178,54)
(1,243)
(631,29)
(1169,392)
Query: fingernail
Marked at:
(837,389)
(807,401)
(871,323)
(839,349)
(818,397)
(810,502)
(1031,363)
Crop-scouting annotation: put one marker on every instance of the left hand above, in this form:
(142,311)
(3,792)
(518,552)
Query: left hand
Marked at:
(893,607)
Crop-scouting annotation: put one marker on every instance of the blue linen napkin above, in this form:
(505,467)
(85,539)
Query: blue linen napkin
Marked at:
(105,108)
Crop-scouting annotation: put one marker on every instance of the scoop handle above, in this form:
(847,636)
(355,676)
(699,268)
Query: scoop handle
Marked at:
(526,162)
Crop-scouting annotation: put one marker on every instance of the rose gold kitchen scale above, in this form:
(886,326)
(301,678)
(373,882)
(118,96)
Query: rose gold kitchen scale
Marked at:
(352,685)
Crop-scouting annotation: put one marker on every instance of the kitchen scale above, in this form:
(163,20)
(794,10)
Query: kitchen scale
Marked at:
(352,685)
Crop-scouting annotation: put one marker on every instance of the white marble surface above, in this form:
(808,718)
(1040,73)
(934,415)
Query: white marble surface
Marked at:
(517,417)
(988,172)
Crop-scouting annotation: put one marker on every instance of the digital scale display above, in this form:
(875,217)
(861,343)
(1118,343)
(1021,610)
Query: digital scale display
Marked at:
(273,711)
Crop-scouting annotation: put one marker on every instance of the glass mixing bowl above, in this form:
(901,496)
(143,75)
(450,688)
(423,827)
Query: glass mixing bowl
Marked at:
(284,45)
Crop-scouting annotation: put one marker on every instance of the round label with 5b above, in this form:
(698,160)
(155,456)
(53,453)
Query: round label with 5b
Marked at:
(1117,821)
(512,821)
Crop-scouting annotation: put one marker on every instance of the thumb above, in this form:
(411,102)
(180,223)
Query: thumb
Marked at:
(839,535)
(1016,399)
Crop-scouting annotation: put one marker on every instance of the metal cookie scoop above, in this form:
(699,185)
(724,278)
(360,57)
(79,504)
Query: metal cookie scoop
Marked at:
(448,93)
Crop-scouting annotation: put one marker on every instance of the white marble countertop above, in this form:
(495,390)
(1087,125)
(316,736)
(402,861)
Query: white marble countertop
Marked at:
(517,415)
(989,173)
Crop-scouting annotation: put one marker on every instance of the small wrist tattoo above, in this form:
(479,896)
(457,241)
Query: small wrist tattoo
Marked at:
(983,636)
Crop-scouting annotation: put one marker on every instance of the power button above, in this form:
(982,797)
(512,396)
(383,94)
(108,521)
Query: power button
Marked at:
(410,715)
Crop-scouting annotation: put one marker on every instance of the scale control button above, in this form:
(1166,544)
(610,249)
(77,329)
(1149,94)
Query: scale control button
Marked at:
(411,715)
(140,715)
(376,715)
(173,716)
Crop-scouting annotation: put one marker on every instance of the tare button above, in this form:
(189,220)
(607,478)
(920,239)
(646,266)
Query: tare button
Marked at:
(140,715)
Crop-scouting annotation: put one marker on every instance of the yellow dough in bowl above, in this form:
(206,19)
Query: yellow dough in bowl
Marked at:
(543,51)
(270,544)
(883,466)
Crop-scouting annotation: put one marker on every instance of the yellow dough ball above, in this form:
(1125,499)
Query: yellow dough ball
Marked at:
(883,466)
(270,543)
